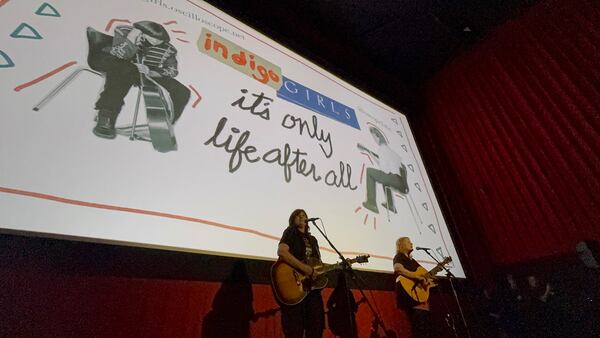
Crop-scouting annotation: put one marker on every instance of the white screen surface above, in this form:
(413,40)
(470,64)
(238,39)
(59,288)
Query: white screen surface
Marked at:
(263,133)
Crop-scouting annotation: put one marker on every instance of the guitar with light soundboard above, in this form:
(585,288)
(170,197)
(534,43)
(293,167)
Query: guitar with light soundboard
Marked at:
(419,290)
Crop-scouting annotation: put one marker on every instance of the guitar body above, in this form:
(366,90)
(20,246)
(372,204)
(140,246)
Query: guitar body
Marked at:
(157,113)
(418,291)
(291,286)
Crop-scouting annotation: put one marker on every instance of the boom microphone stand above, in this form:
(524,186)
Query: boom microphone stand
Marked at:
(348,268)
(451,277)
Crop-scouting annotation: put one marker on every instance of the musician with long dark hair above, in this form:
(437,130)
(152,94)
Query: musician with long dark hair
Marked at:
(300,249)
(142,48)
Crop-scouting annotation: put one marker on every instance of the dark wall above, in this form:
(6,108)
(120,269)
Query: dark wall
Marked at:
(511,137)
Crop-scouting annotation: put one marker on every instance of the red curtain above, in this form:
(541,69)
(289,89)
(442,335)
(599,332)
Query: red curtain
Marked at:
(40,303)
(511,136)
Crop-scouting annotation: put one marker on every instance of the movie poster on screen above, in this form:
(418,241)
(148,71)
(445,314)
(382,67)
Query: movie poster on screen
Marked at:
(170,124)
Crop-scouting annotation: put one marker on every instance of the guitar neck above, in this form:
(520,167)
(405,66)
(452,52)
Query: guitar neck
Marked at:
(337,266)
(435,270)
(438,267)
(331,267)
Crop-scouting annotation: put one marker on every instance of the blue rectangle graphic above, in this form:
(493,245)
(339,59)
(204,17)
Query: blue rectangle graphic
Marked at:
(303,96)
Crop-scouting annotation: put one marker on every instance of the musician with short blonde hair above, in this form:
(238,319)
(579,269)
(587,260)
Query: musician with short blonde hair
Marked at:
(405,265)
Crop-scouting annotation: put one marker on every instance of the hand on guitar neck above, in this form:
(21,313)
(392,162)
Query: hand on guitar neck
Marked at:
(143,69)
(315,271)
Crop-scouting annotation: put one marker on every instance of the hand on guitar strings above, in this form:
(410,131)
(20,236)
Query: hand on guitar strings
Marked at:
(422,278)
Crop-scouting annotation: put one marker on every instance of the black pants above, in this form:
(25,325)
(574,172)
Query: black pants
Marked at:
(306,317)
(422,327)
(394,181)
(121,75)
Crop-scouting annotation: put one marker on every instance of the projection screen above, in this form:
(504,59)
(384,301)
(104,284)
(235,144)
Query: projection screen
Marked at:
(232,132)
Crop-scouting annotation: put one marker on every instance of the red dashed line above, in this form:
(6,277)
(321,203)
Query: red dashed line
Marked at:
(197,94)
(366,218)
(45,76)
(133,211)
(169,22)
(348,253)
(369,157)
(357,209)
(362,171)
(110,23)
(110,207)
(375,223)
(182,40)
(178,31)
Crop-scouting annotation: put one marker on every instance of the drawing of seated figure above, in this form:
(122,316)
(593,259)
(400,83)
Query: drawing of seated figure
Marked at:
(390,172)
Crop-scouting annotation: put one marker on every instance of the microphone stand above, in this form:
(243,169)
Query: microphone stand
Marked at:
(451,277)
(348,268)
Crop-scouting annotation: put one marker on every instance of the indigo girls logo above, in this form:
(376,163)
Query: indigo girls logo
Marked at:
(240,59)
(303,96)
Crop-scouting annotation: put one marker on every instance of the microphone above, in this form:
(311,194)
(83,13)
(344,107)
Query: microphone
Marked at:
(421,248)
(312,219)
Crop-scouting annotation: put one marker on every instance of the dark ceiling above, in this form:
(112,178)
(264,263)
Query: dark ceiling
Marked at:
(389,48)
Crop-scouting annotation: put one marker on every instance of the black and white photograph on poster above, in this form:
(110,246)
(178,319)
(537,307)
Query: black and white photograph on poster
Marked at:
(177,126)
(139,55)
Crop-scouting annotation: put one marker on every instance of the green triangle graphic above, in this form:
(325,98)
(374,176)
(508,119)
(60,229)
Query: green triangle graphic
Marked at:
(432,228)
(30,32)
(439,251)
(8,62)
(47,9)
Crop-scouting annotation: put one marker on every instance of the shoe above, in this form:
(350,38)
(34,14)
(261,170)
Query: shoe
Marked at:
(105,126)
(371,207)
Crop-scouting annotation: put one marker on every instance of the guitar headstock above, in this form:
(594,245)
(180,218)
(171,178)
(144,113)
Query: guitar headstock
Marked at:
(360,259)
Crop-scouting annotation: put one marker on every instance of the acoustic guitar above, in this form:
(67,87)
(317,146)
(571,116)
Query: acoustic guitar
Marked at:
(419,290)
(159,115)
(291,286)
